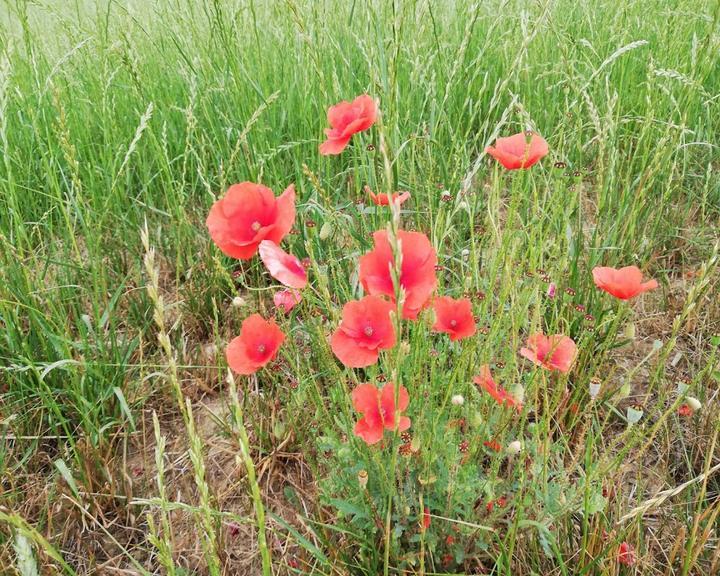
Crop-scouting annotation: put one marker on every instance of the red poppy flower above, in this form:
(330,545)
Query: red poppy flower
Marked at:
(286,300)
(454,317)
(417,275)
(346,119)
(516,152)
(378,409)
(485,381)
(382,199)
(493,445)
(257,345)
(556,352)
(626,554)
(623,283)
(248,214)
(366,328)
(282,266)
(426,518)
(684,410)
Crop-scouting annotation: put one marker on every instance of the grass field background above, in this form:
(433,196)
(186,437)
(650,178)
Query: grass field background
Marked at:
(121,122)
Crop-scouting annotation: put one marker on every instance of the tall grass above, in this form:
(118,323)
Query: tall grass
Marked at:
(114,114)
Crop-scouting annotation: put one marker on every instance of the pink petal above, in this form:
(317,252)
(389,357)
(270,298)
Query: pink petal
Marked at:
(282,266)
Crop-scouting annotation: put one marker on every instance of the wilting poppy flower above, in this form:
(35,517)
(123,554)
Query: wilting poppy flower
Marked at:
(516,152)
(346,119)
(626,554)
(248,214)
(485,381)
(556,352)
(365,329)
(417,275)
(378,409)
(454,317)
(382,199)
(282,266)
(257,345)
(623,283)
(286,300)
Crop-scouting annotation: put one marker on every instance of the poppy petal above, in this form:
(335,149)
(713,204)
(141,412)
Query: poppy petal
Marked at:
(349,353)
(333,146)
(282,266)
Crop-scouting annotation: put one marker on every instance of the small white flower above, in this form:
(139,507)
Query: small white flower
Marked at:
(514,447)
(238,301)
(458,400)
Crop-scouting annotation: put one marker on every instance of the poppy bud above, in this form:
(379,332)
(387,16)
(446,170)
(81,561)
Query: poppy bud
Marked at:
(514,447)
(694,403)
(415,444)
(326,230)
(279,430)
(238,301)
(458,400)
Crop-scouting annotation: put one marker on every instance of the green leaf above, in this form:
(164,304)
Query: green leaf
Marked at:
(124,407)
(596,503)
(301,540)
(348,508)
(67,476)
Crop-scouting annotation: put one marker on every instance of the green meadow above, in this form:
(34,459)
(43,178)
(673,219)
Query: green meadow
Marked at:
(128,446)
